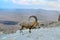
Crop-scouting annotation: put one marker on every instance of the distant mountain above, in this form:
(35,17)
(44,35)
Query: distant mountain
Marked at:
(27,10)
(25,13)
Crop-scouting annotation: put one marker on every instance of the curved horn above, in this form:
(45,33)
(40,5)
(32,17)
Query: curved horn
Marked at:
(34,18)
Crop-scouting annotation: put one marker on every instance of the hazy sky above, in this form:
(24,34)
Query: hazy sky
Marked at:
(30,4)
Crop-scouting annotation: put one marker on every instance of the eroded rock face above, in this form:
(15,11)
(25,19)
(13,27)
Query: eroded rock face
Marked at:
(59,18)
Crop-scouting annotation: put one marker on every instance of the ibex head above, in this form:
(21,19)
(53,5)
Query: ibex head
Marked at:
(34,23)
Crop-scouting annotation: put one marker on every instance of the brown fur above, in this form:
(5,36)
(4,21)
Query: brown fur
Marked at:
(29,25)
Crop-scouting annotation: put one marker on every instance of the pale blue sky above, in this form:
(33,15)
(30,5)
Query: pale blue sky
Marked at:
(30,4)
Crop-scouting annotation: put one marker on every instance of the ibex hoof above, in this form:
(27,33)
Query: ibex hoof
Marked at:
(29,31)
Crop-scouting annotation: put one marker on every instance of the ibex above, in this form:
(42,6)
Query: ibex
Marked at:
(29,25)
